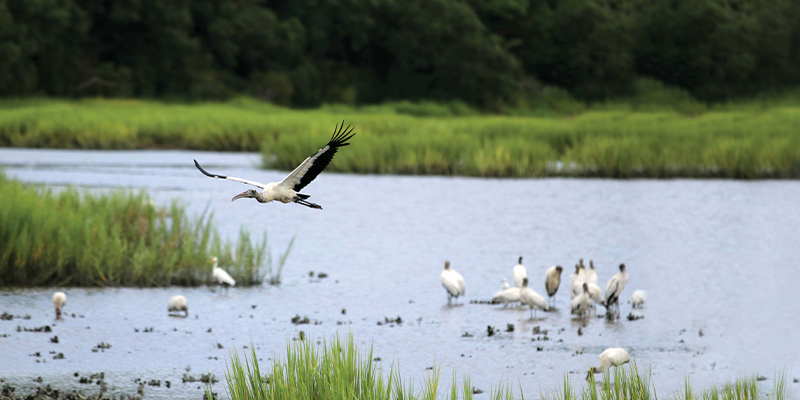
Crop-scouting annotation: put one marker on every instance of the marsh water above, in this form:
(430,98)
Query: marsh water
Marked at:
(716,256)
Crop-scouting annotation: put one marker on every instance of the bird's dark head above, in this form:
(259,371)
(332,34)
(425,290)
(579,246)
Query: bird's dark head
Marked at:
(250,193)
(447,265)
(559,269)
(524,282)
(577,268)
(591,264)
(622,267)
(520,260)
(585,288)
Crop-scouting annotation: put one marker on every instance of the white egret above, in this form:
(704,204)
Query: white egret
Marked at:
(452,282)
(552,280)
(59,300)
(611,357)
(614,288)
(520,273)
(581,303)
(638,298)
(178,303)
(286,191)
(591,273)
(534,300)
(221,276)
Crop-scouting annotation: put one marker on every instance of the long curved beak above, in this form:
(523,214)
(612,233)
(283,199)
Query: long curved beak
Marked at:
(240,196)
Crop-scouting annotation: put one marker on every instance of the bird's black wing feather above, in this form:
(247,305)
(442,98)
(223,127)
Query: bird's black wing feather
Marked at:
(339,139)
(206,173)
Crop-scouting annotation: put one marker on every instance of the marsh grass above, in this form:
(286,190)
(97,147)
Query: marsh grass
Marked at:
(338,369)
(660,134)
(117,239)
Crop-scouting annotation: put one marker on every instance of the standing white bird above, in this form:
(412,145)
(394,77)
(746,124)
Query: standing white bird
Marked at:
(520,273)
(178,303)
(591,273)
(576,281)
(452,282)
(614,288)
(505,283)
(638,298)
(581,303)
(59,300)
(595,293)
(534,300)
(611,357)
(552,280)
(221,276)
(507,295)
(286,191)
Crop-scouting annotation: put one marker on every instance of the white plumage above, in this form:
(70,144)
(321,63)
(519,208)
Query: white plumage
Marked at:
(552,280)
(591,273)
(59,300)
(612,357)
(520,273)
(452,282)
(595,293)
(614,288)
(638,298)
(534,300)
(507,296)
(581,303)
(576,282)
(178,303)
(505,283)
(286,191)
(221,276)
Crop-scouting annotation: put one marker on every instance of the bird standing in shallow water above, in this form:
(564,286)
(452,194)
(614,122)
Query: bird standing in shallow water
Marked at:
(581,303)
(286,191)
(611,357)
(638,298)
(453,283)
(221,276)
(178,303)
(520,273)
(59,300)
(552,280)
(534,300)
(614,288)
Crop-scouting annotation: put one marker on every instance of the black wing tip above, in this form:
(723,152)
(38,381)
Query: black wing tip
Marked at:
(341,135)
(206,173)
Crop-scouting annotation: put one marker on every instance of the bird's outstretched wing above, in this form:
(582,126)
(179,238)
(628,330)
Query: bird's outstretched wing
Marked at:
(313,166)
(230,178)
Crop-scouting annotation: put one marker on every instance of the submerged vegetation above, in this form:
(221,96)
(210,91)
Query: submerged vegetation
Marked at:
(661,134)
(117,239)
(337,369)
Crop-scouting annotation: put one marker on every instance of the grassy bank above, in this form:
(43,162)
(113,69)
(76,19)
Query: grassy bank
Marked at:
(620,140)
(337,369)
(116,239)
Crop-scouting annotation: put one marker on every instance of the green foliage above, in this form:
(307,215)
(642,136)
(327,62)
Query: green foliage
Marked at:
(115,239)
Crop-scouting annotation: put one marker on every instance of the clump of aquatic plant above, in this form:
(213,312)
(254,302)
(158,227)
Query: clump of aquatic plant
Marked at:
(121,238)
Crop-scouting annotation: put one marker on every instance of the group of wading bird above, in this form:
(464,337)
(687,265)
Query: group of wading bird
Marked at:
(583,284)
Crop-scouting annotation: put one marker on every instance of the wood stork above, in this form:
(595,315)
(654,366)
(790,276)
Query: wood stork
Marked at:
(614,288)
(534,300)
(638,298)
(178,303)
(221,276)
(507,295)
(452,282)
(591,273)
(611,357)
(582,302)
(505,283)
(286,191)
(576,281)
(552,280)
(520,273)
(595,294)
(59,300)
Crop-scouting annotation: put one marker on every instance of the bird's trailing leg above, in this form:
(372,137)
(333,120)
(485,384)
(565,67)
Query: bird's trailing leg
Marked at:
(308,203)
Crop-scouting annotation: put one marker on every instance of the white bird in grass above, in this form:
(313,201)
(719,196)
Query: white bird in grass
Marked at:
(520,273)
(591,273)
(452,282)
(178,303)
(552,280)
(286,191)
(638,298)
(614,288)
(59,300)
(612,357)
(581,303)
(221,276)
(534,300)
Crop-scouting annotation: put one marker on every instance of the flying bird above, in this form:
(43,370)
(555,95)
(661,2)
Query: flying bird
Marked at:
(221,276)
(614,288)
(452,282)
(552,280)
(286,191)
(59,299)
(178,303)
(534,300)
(611,357)
(520,273)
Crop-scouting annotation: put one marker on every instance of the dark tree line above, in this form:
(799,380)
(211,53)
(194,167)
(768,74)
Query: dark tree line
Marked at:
(485,52)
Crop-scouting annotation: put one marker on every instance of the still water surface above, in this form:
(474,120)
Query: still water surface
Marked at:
(714,255)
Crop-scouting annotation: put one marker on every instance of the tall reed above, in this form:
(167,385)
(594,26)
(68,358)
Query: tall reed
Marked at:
(117,239)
